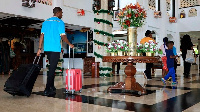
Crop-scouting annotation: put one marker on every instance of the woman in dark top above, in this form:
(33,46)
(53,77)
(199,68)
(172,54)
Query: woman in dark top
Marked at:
(186,44)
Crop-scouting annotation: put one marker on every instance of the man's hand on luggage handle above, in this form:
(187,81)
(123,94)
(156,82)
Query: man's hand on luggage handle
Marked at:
(39,51)
(71,45)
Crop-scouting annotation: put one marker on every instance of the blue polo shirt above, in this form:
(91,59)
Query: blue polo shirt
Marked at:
(52,29)
(170,61)
(174,50)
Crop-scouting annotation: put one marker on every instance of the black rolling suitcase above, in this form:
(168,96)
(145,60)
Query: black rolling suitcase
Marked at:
(22,80)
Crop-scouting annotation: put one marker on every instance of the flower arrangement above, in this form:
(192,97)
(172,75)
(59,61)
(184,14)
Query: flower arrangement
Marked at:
(150,47)
(140,48)
(118,45)
(132,16)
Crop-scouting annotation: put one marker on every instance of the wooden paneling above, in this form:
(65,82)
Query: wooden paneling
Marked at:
(87,65)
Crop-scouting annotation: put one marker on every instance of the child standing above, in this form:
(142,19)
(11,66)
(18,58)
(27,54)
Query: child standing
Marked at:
(170,63)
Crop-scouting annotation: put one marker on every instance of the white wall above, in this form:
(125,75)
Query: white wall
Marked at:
(189,23)
(40,11)
(123,3)
(70,8)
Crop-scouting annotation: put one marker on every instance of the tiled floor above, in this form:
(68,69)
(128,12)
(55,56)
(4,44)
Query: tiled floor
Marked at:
(94,98)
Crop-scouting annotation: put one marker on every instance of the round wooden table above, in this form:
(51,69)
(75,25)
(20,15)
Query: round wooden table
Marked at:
(130,70)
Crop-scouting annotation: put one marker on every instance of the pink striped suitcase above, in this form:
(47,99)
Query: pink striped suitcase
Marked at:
(73,78)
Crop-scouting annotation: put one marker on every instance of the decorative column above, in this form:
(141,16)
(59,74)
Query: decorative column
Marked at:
(103,30)
(164,19)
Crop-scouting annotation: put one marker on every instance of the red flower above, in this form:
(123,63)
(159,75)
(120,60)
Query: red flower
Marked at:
(128,23)
(124,9)
(144,14)
(136,15)
(129,15)
(140,10)
(133,7)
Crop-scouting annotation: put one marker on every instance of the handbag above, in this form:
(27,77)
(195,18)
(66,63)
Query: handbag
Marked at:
(190,56)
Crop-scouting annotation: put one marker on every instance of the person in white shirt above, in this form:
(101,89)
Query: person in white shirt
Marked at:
(164,58)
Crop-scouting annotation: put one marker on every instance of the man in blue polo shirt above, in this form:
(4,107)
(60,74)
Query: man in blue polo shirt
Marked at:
(53,29)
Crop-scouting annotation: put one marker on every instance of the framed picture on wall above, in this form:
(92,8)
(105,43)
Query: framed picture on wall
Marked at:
(115,12)
(90,41)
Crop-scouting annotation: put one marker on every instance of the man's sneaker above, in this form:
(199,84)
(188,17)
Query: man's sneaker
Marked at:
(163,80)
(174,83)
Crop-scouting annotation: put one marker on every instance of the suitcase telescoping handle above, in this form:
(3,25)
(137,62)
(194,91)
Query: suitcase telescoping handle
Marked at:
(36,58)
(69,58)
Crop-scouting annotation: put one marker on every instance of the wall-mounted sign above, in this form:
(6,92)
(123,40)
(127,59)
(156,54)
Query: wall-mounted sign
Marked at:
(47,2)
(80,12)
(28,3)
(172,19)
(157,14)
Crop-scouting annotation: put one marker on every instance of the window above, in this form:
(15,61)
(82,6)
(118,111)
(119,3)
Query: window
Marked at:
(188,3)
(152,4)
(171,7)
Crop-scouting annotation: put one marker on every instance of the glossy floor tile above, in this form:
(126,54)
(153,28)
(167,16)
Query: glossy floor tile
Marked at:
(183,97)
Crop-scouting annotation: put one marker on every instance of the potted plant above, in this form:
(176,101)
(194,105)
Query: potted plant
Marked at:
(112,48)
(140,49)
(118,46)
(131,17)
(150,48)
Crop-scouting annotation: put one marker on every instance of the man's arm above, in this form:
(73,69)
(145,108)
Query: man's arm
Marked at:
(41,40)
(64,38)
(40,44)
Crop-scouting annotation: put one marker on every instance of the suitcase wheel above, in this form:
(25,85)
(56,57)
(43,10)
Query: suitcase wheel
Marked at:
(80,91)
(73,91)
(139,92)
